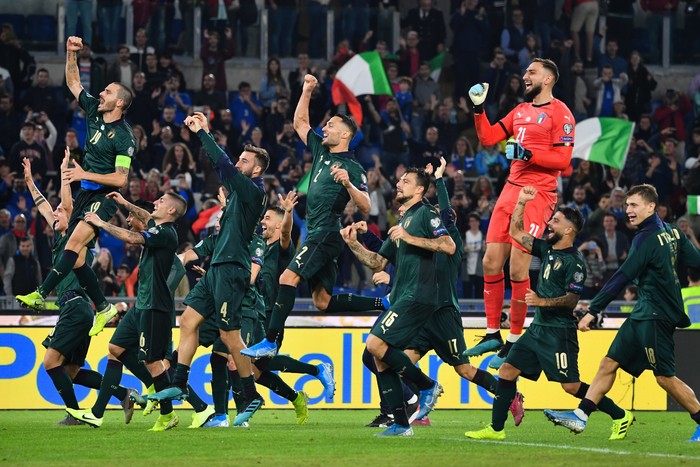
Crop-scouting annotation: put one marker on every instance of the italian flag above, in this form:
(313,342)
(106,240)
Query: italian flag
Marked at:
(303,184)
(362,74)
(436,66)
(693,204)
(604,140)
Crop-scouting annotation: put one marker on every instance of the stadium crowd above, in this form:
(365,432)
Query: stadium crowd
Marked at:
(424,120)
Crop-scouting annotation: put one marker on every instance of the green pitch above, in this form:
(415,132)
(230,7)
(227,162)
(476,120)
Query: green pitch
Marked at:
(339,438)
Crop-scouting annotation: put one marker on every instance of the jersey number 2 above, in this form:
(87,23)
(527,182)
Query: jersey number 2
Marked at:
(521,134)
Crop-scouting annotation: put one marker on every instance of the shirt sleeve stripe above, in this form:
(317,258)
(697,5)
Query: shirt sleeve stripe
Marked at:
(123,161)
(563,144)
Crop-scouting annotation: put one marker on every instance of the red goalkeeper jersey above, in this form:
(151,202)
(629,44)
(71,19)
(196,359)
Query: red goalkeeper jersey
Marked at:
(546,130)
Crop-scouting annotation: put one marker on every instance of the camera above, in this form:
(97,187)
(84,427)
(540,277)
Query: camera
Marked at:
(36,115)
(175,183)
(592,245)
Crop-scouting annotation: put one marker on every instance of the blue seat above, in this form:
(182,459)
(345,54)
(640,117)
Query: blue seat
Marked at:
(42,28)
(176,28)
(17,22)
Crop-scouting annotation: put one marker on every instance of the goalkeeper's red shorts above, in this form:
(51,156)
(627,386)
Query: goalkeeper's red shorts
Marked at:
(537,214)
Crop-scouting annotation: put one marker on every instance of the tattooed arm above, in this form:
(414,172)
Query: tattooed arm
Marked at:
(565,301)
(372,260)
(443,244)
(124,235)
(73,46)
(139,213)
(517,220)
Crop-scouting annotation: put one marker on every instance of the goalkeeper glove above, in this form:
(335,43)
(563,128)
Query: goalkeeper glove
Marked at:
(477,94)
(514,151)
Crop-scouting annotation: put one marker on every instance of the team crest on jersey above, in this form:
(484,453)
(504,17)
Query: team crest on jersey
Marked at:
(130,151)
(337,164)
(435,222)
(111,134)
(578,277)
(557,264)
(568,128)
(153,230)
(541,118)
(407,223)
(258,252)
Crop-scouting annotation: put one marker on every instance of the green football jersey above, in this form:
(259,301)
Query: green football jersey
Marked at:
(327,199)
(562,271)
(415,275)
(155,265)
(107,145)
(274,263)
(651,264)
(250,305)
(245,205)
(448,266)
(71,281)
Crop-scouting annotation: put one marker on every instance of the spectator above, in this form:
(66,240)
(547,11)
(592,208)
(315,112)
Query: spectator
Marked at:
(429,23)
(169,67)
(608,91)
(583,12)
(472,269)
(122,70)
(214,56)
(391,123)
(430,152)
(575,86)
(22,271)
(70,142)
(178,160)
(103,265)
(530,51)
(639,87)
(636,163)
(296,78)
(245,107)
(5,217)
(162,142)
(379,191)
(155,77)
(614,178)
(209,96)
(449,127)
(426,94)
(409,55)
(463,157)
(513,95)
(488,159)
(656,11)
(279,113)
(663,174)
(15,59)
(92,71)
(579,202)
(615,245)
(82,9)
(172,97)
(142,158)
(224,125)
(588,175)
(496,75)
(611,58)
(272,84)
(617,204)
(40,97)
(10,123)
(670,118)
(595,268)
(470,27)
(594,224)
(6,86)
(513,35)
(30,149)
(282,15)
(144,106)
(140,50)
(9,242)
(160,22)
(108,12)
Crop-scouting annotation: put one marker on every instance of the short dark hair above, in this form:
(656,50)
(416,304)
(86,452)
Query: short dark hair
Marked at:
(243,84)
(574,216)
(124,93)
(422,178)
(42,69)
(646,192)
(277,210)
(349,122)
(694,274)
(180,204)
(25,239)
(262,158)
(548,65)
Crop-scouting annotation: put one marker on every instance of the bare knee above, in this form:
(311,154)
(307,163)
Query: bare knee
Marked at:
(571,388)
(52,359)
(321,299)
(376,346)
(508,372)
(115,352)
(190,320)
(519,265)
(466,371)
(665,382)
(608,365)
(290,278)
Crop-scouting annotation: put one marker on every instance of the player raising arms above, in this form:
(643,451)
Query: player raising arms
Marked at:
(108,151)
(541,139)
(336,178)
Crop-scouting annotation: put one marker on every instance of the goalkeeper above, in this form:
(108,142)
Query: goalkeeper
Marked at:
(540,136)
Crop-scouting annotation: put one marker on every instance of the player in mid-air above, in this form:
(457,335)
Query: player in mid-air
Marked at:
(411,247)
(540,137)
(550,344)
(109,149)
(154,300)
(220,292)
(336,178)
(68,342)
(645,339)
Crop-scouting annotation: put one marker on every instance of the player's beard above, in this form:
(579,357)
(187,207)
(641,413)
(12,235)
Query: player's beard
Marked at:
(553,239)
(403,199)
(534,92)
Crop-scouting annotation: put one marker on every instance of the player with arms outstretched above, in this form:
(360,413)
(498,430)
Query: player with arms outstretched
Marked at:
(540,137)
(109,149)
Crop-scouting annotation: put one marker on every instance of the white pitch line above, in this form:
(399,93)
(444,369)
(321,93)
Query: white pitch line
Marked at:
(576,448)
